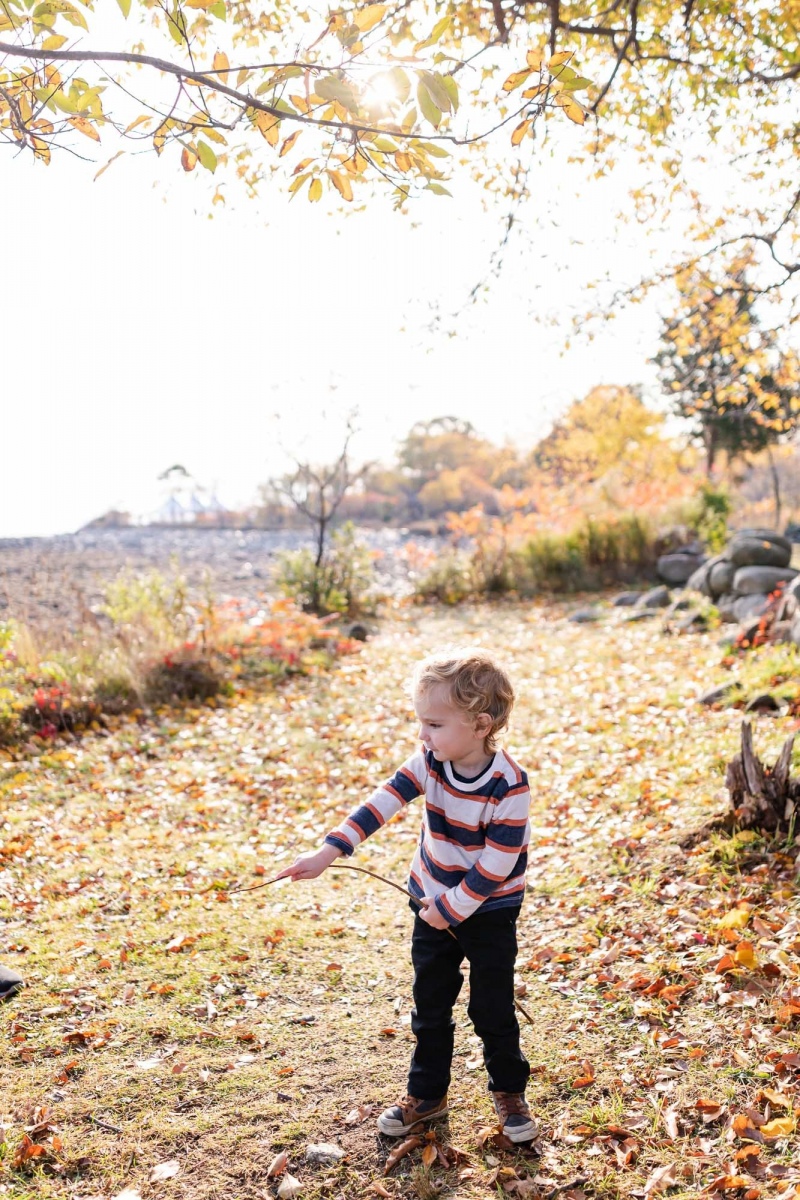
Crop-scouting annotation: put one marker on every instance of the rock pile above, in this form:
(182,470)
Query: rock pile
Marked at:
(740,580)
(677,567)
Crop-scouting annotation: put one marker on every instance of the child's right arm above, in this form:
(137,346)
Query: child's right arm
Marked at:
(382,805)
(311,864)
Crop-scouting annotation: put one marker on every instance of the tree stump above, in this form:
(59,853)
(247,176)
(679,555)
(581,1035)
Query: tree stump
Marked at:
(762,798)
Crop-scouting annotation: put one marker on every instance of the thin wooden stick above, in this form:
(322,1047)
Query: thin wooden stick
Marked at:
(381,879)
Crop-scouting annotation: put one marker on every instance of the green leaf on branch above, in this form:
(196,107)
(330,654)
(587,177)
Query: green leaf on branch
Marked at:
(331,88)
(437,91)
(451,87)
(208,158)
(400,84)
(428,108)
(439,29)
(432,148)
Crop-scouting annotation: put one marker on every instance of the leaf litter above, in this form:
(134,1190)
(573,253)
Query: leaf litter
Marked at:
(665,985)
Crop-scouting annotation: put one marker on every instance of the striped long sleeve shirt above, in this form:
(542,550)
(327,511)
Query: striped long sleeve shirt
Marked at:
(472,849)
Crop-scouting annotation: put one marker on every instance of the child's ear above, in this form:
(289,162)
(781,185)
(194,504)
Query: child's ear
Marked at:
(483,725)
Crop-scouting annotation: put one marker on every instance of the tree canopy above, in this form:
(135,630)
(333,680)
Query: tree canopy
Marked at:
(398,94)
(735,380)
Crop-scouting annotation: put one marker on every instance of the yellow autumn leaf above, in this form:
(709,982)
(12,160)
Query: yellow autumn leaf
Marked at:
(369,17)
(342,184)
(737,918)
(142,120)
(290,141)
(519,132)
(41,150)
(516,80)
(574,112)
(222,65)
(188,159)
(535,58)
(85,127)
(556,60)
(105,166)
(269,126)
(315,190)
(402,161)
(745,956)
(779,1127)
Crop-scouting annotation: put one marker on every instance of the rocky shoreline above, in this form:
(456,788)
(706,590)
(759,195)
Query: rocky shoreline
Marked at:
(57,583)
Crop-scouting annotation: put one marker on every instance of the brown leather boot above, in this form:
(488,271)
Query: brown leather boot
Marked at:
(515,1116)
(409,1112)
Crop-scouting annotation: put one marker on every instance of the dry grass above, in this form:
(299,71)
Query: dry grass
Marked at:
(276,1014)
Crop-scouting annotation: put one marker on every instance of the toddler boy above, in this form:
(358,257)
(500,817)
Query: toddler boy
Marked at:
(468,877)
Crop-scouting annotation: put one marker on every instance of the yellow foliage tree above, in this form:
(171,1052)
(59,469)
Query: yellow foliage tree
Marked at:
(611,428)
(733,379)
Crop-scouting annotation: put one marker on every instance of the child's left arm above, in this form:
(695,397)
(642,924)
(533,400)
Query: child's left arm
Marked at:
(506,840)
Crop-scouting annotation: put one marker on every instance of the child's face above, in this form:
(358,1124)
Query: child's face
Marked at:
(446,729)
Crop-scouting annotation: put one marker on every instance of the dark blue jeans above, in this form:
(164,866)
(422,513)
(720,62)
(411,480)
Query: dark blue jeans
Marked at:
(488,941)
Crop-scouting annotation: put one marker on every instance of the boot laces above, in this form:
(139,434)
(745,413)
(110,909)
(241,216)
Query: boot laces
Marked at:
(512,1105)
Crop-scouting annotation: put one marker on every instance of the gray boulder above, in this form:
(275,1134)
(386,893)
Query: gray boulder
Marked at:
(677,568)
(794,632)
(749,580)
(625,599)
(585,616)
(752,551)
(765,704)
(747,608)
(789,605)
(698,582)
(781,632)
(725,608)
(693,622)
(718,694)
(767,535)
(720,578)
(657,597)
(641,614)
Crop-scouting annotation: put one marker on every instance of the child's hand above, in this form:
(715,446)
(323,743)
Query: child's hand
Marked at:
(430,914)
(310,865)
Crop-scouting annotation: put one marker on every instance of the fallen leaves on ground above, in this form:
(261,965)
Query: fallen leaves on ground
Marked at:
(172,1020)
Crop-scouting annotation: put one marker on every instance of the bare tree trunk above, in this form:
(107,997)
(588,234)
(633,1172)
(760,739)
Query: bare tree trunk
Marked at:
(776,486)
(710,445)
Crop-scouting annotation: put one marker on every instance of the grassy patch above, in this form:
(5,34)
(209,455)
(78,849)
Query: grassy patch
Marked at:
(167,1020)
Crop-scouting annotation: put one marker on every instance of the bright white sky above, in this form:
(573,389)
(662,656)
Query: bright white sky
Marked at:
(139,332)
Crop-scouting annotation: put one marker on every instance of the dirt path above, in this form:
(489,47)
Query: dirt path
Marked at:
(169,1023)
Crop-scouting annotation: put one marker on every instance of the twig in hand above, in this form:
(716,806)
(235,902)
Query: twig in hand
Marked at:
(381,879)
(375,875)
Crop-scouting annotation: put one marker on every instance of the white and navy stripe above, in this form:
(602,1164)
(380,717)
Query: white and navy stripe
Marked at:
(473,845)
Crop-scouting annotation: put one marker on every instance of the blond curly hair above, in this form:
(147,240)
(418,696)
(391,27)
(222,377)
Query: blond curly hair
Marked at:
(475,684)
